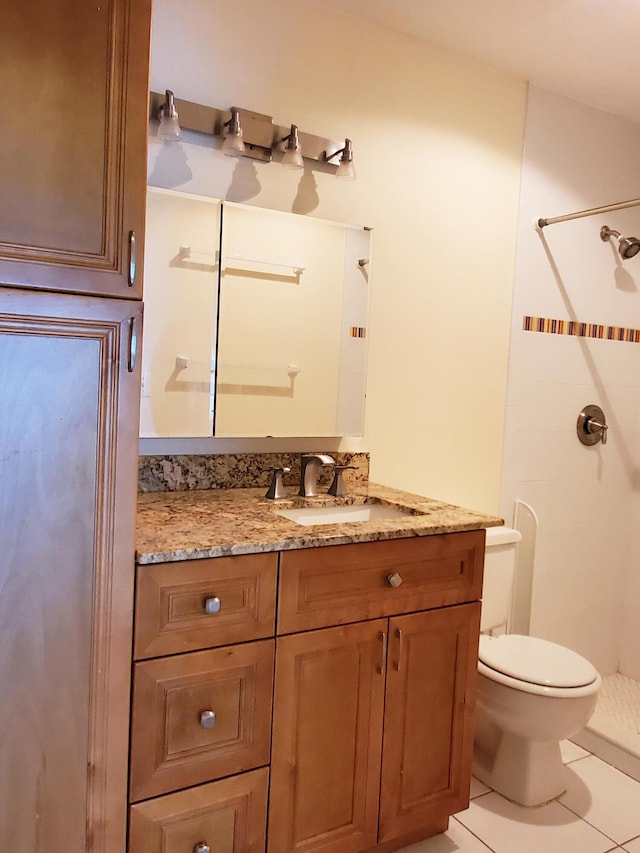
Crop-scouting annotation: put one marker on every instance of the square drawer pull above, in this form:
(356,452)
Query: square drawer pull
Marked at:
(394,580)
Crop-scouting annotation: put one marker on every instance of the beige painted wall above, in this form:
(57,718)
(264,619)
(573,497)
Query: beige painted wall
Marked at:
(437,143)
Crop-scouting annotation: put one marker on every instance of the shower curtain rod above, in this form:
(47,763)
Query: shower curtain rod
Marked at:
(591,212)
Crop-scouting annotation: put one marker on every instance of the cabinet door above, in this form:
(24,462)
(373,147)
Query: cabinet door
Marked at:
(72,193)
(68,445)
(428,727)
(325,765)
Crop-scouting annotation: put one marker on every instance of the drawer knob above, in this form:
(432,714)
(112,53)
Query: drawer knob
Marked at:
(208,719)
(202,848)
(212,605)
(394,580)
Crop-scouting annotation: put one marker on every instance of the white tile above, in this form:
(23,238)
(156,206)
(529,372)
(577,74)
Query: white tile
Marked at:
(632,846)
(571,751)
(478,788)
(507,828)
(605,797)
(456,839)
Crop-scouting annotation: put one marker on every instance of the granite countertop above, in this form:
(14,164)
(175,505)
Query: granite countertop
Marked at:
(201,523)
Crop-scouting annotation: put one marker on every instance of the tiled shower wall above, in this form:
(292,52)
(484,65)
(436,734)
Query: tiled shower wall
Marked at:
(586,587)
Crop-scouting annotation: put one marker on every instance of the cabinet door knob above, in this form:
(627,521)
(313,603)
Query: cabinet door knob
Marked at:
(202,848)
(212,605)
(208,719)
(394,580)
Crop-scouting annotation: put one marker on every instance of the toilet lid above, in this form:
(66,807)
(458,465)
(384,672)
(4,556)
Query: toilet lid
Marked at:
(535,661)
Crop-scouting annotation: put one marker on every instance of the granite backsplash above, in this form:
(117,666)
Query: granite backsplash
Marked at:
(239,471)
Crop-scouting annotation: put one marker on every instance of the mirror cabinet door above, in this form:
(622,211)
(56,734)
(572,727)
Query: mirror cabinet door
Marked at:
(181,307)
(256,321)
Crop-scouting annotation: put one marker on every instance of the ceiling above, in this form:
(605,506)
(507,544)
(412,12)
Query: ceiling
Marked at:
(586,50)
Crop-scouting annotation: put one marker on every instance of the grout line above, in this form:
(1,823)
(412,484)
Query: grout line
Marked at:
(481,840)
(579,758)
(588,822)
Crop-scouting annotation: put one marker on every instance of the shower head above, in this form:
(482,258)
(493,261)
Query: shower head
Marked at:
(627,246)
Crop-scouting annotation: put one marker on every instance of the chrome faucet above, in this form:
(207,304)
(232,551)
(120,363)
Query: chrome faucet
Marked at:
(309,465)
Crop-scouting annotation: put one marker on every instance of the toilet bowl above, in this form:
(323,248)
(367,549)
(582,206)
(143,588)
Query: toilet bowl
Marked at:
(531,693)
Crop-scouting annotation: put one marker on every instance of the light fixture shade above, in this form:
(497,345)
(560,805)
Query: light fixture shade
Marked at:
(292,158)
(346,170)
(233,145)
(169,129)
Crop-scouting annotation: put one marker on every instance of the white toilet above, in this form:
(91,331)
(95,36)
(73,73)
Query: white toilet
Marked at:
(531,693)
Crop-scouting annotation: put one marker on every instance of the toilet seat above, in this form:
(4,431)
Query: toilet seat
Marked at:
(535,666)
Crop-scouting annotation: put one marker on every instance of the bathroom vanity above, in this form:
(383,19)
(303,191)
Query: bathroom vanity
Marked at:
(301,687)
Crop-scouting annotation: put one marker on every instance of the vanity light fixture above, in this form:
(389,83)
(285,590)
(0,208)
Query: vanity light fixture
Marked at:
(254,135)
(292,157)
(233,145)
(346,169)
(169,129)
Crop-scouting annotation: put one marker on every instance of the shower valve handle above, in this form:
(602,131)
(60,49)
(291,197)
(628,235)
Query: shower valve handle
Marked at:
(594,426)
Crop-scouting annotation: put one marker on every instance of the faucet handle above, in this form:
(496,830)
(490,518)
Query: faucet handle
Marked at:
(277,490)
(337,487)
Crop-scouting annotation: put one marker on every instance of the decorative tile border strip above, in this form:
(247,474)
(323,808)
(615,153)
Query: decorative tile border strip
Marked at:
(581,330)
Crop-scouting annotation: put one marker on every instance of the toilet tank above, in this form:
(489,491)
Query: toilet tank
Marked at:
(499,577)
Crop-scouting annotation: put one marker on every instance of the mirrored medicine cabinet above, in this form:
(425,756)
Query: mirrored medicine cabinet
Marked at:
(255,321)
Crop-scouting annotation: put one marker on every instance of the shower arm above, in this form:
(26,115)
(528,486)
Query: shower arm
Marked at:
(542,223)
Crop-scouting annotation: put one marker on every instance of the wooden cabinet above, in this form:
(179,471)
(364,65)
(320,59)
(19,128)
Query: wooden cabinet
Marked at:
(71,210)
(73,185)
(68,441)
(202,710)
(372,732)
(365,730)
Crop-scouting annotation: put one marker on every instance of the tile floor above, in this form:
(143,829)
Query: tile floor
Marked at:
(600,812)
(617,714)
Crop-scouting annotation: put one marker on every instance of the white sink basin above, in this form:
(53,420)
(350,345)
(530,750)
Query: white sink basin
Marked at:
(309,515)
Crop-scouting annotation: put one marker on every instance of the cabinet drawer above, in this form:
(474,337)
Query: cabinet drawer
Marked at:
(172,744)
(171,603)
(348,583)
(229,816)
